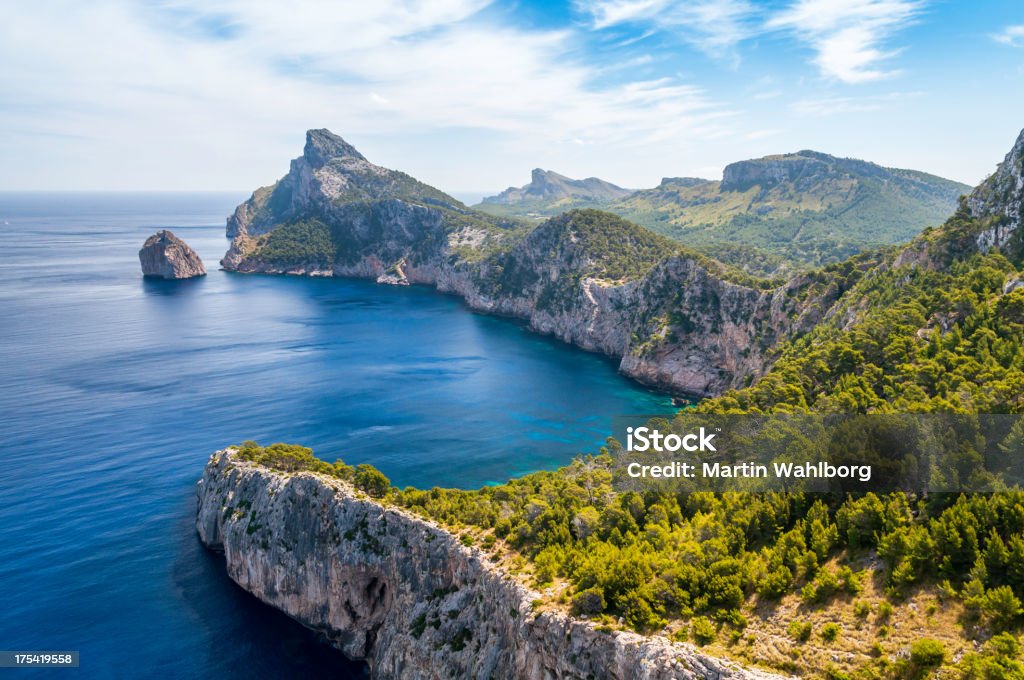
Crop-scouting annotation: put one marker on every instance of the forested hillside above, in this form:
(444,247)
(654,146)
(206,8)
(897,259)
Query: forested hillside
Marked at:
(894,585)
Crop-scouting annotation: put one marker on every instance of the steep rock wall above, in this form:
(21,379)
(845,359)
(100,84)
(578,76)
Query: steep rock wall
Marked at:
(392,588)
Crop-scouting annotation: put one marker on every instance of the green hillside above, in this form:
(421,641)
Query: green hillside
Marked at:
(894,585)
(807,208)
(776,213)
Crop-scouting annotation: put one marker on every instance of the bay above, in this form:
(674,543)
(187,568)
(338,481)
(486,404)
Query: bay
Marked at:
(114,390)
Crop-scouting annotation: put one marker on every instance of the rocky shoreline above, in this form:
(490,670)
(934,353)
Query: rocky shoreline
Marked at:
(681,323)
(397,590)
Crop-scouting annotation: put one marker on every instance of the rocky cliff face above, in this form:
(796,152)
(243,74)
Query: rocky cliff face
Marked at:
(166,256)
(1000,200)
(329,174)
(392,588)
(678,321)
(991,216)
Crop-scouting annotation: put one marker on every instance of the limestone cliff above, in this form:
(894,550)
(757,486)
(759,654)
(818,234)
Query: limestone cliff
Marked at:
(165,256)
(675,319)
(395,589)
(991,216)
(1000,199)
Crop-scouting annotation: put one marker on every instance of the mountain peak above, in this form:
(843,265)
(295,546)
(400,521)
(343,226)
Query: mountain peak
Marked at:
(547,185)
(770,171)
(322,145)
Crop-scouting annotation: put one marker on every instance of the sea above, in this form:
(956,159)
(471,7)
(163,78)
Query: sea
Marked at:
(115,390)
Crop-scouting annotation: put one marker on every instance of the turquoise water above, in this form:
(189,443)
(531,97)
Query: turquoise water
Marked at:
(114,390)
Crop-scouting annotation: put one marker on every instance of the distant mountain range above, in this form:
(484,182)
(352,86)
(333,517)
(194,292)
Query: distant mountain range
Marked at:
(764,215)
(549,193)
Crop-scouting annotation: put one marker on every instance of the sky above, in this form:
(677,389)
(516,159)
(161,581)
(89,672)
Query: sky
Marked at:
(470,95)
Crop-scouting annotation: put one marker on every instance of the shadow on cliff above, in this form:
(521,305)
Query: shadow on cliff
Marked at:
(242,628)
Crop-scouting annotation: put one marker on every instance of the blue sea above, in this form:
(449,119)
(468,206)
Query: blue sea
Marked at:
(114,390)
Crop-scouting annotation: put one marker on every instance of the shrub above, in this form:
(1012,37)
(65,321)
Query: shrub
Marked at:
(800,630)
(1001,606)
(371,480)
(702,630)
(1000,659)
(775,584)
(927,653)
(829,632)
(589,601)
(850,581)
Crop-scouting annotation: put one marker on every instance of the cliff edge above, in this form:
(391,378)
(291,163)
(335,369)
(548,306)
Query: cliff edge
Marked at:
(404,594)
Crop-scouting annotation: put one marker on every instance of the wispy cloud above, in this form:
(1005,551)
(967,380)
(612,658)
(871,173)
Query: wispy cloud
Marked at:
(713,26)
(219,73)
(830,106)
(848,35)
(1011,35)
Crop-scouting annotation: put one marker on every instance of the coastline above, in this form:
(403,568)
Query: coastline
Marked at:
(400,591)
(679,398)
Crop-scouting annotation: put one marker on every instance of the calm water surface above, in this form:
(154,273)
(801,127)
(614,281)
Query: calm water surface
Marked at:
(114,390)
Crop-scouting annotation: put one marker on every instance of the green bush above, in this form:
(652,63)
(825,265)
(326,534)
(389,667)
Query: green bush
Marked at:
(1001,606)
(1001,658)
(371,480)
(800,630)
(927,653)
(702,630)
(589,601)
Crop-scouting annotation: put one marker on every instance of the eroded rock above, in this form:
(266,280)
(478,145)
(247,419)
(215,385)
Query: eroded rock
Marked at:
(395,589)
(165,256)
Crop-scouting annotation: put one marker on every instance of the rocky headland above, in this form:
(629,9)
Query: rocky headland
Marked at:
(395,589)
(165,256)
(386,585)
(675,319)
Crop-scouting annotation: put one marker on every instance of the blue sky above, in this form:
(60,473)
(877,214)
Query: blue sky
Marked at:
(469,95)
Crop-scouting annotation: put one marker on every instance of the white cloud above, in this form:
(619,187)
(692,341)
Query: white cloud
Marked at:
(760,134)
(147,89)
(712,26)
(847,35)
(830,106)
(1011,35)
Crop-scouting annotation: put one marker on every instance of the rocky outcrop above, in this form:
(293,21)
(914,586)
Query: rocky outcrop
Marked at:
(396,590)
(330,175)
(999,200)
(806,168)
(165,256)
(549,186)
(990,217)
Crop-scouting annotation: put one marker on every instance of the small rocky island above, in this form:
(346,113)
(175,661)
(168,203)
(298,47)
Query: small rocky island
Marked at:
(165,256)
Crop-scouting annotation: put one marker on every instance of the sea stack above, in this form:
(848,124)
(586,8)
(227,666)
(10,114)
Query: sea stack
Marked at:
(165,256)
